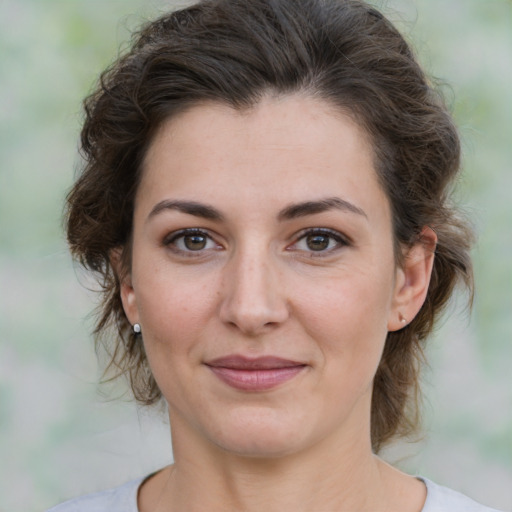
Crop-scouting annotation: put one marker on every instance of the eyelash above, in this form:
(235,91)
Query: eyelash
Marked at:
(171,241)
(340,240)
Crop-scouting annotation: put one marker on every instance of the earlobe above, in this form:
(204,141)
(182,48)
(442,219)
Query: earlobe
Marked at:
(128,297)
(412,281)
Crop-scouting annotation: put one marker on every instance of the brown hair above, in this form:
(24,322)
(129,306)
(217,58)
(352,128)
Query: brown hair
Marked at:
(235,51)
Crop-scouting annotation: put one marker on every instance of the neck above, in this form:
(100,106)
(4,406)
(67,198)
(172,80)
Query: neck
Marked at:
(331,475)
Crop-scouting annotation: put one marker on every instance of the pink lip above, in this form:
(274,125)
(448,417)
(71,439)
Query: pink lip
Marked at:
(254,374)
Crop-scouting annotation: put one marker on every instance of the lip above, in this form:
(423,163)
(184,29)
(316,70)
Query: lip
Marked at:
(254,374)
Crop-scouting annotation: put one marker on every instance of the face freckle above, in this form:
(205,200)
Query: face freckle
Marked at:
(283,169)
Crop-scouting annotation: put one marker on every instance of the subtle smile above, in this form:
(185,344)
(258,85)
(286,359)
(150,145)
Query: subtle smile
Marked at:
(258,374)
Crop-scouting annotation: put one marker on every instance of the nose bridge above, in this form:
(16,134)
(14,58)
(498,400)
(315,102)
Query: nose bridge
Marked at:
(253,298)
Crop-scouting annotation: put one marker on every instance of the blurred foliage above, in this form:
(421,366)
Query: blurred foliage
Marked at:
(56,437)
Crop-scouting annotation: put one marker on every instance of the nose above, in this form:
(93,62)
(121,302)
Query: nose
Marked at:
(253,298)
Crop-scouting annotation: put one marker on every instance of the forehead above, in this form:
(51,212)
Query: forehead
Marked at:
(307,113)
(292,147)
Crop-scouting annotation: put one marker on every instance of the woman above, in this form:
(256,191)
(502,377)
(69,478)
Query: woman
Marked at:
(265,202)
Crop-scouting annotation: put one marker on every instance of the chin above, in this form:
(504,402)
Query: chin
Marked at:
(262,436)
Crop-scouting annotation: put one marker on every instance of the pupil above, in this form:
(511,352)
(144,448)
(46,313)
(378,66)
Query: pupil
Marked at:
(318,242)
(195,242)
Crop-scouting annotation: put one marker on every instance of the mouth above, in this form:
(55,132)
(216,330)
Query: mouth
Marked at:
(255,374)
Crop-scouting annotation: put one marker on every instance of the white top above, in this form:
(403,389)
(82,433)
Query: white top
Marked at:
(124,499)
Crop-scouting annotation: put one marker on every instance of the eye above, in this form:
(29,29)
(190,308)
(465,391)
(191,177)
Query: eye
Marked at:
(190,241)
(319,241)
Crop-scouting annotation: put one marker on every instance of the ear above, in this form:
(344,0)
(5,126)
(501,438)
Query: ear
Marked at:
(128,297)
(412,280)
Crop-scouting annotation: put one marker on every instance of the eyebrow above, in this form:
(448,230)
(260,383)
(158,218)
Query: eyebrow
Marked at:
(290,212)
(190,207)
(294,211)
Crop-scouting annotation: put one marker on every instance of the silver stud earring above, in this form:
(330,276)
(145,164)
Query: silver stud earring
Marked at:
(136,329)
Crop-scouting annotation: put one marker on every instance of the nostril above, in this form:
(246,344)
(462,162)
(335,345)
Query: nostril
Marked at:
(252,321)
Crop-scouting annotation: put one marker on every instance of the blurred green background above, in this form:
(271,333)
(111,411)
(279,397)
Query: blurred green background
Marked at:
(59,434)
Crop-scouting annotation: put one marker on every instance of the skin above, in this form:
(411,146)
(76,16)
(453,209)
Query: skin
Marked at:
(254,284)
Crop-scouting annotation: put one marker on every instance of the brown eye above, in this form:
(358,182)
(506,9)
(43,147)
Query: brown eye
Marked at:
(318,242)
(195,242)
(190,241)
(321,241)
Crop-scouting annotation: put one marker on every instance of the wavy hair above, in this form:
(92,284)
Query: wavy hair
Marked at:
(344,52)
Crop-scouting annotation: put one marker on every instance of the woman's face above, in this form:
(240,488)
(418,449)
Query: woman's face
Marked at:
(263,275)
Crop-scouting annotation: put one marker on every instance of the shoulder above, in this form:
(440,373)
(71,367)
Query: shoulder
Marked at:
(442,499)
(119,499)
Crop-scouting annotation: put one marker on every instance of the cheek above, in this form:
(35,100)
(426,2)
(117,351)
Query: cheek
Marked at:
(347,316)
(345,300)
(173,309)
(174,321)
